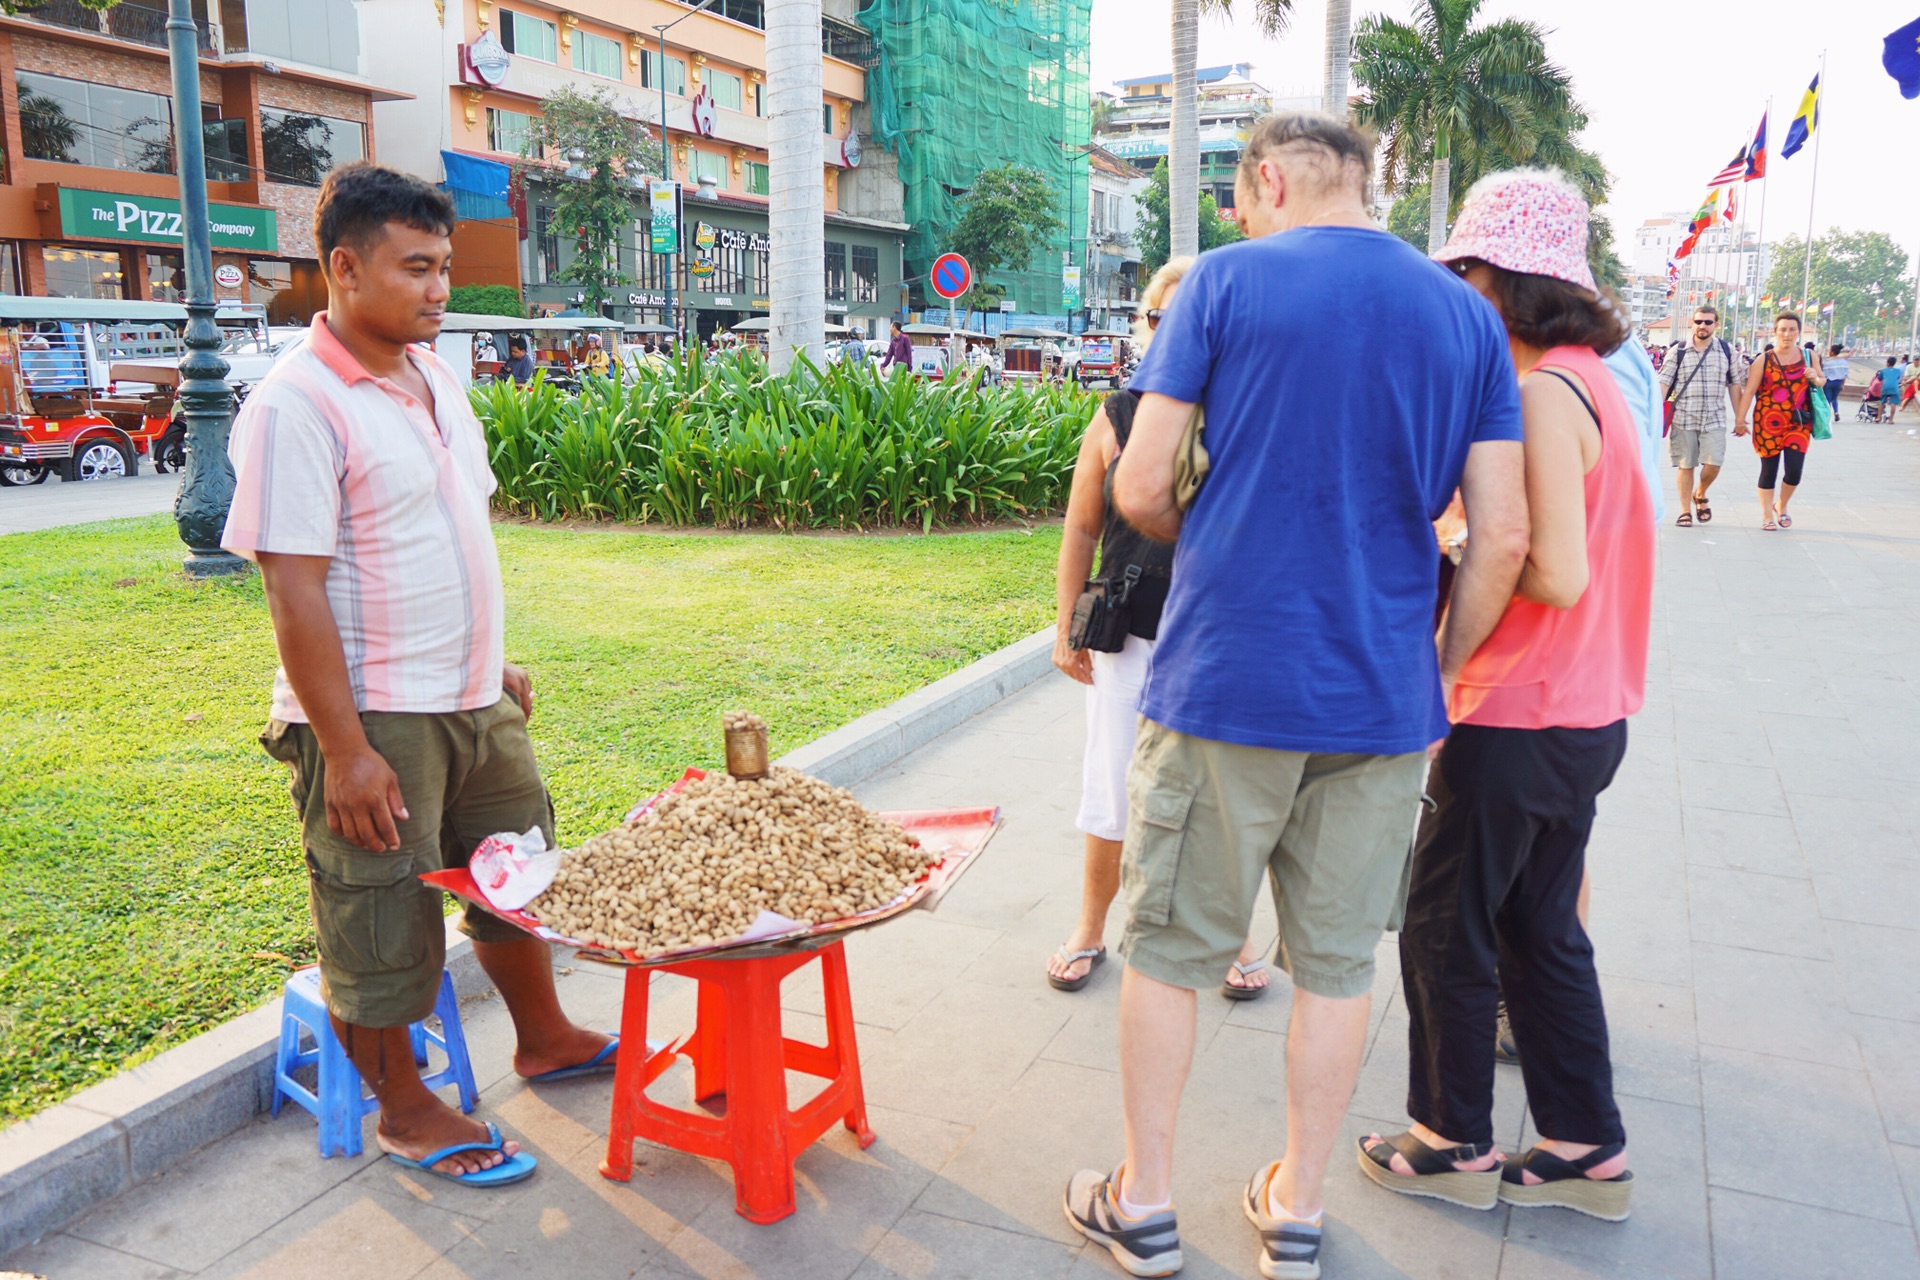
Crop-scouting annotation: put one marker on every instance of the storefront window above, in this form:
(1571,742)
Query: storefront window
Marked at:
(758,183)
(300,149)
(166,277)
(866,273)
(266,281)
(546,246)
(83,273)
(9,267)
(291,291)
(836,271)
(78,122)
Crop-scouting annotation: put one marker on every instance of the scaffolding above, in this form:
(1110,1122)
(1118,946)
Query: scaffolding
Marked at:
(961,86)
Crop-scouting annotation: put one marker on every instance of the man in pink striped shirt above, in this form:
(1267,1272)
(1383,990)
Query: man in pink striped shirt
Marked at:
(361,489)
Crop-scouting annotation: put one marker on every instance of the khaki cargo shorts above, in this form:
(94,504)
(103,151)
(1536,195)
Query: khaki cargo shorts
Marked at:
(464,775)
(1332,833)
(1688,447)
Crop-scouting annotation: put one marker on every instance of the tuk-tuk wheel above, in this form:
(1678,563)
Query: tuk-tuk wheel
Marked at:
(169,452)
(14,477)
(100,458)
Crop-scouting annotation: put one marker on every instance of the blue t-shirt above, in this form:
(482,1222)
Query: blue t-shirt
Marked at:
(1890,381)
(1344,377)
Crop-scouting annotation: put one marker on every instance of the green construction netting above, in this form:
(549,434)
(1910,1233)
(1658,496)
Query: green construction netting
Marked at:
(964,85)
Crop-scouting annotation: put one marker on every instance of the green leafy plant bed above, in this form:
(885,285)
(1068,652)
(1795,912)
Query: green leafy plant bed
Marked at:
(151,882)
(725,442)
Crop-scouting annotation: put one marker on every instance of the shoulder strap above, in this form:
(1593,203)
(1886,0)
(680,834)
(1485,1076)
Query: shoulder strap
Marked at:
(1579,394)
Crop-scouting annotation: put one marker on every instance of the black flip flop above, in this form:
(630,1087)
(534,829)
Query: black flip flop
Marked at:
(1096,954)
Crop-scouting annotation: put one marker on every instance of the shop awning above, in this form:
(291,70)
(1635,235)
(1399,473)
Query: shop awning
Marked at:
(478,187)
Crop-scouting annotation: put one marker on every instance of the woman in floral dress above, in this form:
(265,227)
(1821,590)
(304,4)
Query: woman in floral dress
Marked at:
(1781,392)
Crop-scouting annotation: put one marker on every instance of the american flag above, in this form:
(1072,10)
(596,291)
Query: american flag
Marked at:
(1735,171)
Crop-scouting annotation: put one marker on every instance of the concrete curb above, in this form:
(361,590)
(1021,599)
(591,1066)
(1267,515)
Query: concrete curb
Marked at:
(102,1141)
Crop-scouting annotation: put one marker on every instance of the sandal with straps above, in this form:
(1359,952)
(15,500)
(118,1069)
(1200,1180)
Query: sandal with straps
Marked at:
(1701,511)
(1433,1173)
(1684,520)
(1564,1183)
(1095,954)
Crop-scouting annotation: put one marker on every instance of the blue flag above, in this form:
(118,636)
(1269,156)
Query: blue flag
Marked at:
(1901,58)
(1805,121)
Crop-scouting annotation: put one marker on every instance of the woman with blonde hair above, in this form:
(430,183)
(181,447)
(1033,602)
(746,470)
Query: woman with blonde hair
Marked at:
(1132,562)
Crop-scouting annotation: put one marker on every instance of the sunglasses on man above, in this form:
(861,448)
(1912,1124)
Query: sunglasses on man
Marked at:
(1153,317)
(1705,324)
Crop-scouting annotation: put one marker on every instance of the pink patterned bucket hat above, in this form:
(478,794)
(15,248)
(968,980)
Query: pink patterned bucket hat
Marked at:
(1531,221)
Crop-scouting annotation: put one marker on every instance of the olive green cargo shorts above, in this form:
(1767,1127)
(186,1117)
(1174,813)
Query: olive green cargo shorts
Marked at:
(1205,819)
(464,775)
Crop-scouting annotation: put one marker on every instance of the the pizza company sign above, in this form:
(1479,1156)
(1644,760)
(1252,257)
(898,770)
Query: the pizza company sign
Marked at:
(109,215)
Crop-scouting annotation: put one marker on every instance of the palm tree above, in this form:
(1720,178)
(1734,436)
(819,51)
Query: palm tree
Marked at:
(1440,86)
(1333,99)
(1183,141)
(797,212)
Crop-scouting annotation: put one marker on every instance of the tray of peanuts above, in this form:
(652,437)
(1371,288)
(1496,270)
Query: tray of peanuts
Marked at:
(755,860)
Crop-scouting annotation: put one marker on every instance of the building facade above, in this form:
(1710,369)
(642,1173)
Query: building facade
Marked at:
(478,71)
(1113,237)
(89,202)
(1136,122)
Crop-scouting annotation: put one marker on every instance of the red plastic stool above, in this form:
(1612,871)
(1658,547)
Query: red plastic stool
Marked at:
(738,1050)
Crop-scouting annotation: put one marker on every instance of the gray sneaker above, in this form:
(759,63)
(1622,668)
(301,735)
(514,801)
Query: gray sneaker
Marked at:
(1289,1250)
(1505,1047)
(1147,1247)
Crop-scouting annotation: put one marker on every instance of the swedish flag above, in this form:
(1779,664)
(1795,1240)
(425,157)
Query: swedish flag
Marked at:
(1901,58)
(1805,121)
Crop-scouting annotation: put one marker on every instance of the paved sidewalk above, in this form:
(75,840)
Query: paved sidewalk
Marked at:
(1756,907)
(55,502)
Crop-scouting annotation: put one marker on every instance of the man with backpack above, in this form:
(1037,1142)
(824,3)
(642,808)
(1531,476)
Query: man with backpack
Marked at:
(1695,380)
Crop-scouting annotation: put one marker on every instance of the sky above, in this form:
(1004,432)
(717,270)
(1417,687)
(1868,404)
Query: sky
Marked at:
(1673,89)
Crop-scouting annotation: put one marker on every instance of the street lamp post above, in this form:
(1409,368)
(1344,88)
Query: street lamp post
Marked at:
(206,401)
(666,160)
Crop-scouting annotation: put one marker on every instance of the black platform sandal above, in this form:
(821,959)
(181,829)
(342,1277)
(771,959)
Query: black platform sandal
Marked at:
(1564,1183)
(1433,1173)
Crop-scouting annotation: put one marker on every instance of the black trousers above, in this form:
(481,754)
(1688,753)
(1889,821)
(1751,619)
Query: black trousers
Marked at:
(1496,883)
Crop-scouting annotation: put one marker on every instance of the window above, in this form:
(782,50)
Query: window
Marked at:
(166,277)
(826,117)
(758,182)
(546,246)
(727,89)
(866,273)
(676,73)
(82,273)
(528,36)
(709,164)
(78,122)
(596,55)
(509,131)
(836,271)
(300,149)
(760,99)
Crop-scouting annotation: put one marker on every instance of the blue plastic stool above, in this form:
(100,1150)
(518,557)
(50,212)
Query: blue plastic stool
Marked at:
(340,1103)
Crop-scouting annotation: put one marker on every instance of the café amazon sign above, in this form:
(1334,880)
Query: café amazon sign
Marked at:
(110,215)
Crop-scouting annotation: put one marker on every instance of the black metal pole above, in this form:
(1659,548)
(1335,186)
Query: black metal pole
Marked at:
(206,402)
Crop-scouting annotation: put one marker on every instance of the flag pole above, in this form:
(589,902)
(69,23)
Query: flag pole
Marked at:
(1813,185)
(1760,253)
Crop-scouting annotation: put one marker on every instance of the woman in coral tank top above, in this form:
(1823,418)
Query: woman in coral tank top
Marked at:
(1539,716)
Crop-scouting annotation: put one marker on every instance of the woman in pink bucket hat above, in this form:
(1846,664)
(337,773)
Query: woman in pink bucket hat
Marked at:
(1539,727)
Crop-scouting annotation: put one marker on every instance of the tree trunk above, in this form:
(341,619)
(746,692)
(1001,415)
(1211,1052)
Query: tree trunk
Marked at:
(1183,141)
(1442,196)
(796,214)
(1333,99)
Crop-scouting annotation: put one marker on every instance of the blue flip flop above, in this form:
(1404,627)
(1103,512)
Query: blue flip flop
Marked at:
(515,1168)
(602,1063)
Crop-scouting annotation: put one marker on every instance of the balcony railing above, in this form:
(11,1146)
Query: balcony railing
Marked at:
(134,23)
(838,39)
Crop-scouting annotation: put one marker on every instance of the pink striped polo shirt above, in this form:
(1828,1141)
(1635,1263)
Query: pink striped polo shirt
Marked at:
(329,460)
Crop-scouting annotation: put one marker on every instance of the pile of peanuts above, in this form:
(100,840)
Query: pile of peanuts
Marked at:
(735,720)
(703,863)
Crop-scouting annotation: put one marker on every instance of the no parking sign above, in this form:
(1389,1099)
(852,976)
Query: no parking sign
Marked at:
(951,276)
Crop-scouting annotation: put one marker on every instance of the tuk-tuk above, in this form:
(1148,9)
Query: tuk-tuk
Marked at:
(1103,354)
(557,344)
(931,355)
(1029,354)
(86,385)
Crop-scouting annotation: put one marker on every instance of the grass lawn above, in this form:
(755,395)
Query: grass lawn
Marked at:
(149,860)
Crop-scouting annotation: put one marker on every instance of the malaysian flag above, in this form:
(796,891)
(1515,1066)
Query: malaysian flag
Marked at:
(1735,171)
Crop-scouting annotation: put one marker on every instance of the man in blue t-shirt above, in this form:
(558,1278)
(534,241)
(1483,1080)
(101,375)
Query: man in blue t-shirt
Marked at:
(1350,386)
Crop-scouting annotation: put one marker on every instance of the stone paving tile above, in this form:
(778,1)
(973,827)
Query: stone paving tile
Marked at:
(1759,1107)
(1782,1006)
(1892,1053)
(927,1246)
(1877,966)
(64,1257)
(1743,842)
(349,1231)
(1655,1049)
(1758,912)
(1756,1238)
